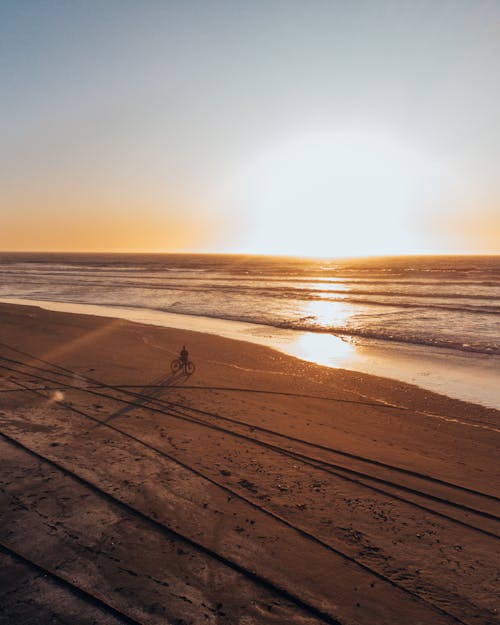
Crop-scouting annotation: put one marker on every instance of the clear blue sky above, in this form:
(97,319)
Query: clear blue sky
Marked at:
(229,125)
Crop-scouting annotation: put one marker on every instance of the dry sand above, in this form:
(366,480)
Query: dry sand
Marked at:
(261,489)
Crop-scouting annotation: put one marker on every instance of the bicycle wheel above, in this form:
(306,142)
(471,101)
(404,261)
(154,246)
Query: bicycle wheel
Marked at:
(190,368)
(175,365)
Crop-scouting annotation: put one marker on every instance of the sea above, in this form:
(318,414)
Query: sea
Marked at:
(430,320)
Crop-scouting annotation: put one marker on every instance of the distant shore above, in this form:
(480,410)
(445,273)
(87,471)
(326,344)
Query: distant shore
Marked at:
(262,489)
(466,376)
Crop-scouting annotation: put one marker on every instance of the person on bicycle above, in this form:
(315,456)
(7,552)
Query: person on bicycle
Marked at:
(184,355)
(182,363)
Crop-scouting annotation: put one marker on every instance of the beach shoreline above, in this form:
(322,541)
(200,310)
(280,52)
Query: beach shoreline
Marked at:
(469,377)
(262,489)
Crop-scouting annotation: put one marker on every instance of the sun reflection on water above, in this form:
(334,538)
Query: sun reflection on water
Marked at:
(322,347)
(325,315)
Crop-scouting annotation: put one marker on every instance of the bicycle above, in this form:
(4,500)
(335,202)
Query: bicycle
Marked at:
(177,364)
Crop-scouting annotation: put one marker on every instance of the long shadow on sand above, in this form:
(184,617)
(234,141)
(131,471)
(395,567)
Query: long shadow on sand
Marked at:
(144,397)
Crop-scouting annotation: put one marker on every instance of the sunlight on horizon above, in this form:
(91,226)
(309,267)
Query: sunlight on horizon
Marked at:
(338,193)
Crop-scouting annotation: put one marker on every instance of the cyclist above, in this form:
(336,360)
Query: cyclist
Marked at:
(184,356)
(182,362)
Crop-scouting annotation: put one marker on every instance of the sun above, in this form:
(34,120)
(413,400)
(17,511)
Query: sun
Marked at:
(336,193)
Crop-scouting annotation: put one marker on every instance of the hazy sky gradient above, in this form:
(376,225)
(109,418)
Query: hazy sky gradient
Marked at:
(333,128)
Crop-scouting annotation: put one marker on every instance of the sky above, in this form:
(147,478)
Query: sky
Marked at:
(303,128)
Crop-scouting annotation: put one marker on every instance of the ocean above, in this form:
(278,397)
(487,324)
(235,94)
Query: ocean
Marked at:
(442,306)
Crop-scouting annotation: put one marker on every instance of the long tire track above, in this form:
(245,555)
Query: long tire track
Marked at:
(152,397)
(260,580)
(293,439)
(374,404)
(160,384)
(174,410)
(343,472)
(371,482)
(71,587)
(301,531)
(180,412)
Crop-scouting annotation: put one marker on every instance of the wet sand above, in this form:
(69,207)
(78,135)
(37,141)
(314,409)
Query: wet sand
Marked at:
(261,489)
(470,377)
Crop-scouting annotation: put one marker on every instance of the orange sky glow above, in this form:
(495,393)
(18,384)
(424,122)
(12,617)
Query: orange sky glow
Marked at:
(334,133)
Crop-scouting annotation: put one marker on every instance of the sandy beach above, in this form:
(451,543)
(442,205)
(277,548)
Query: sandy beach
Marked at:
(260,489)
